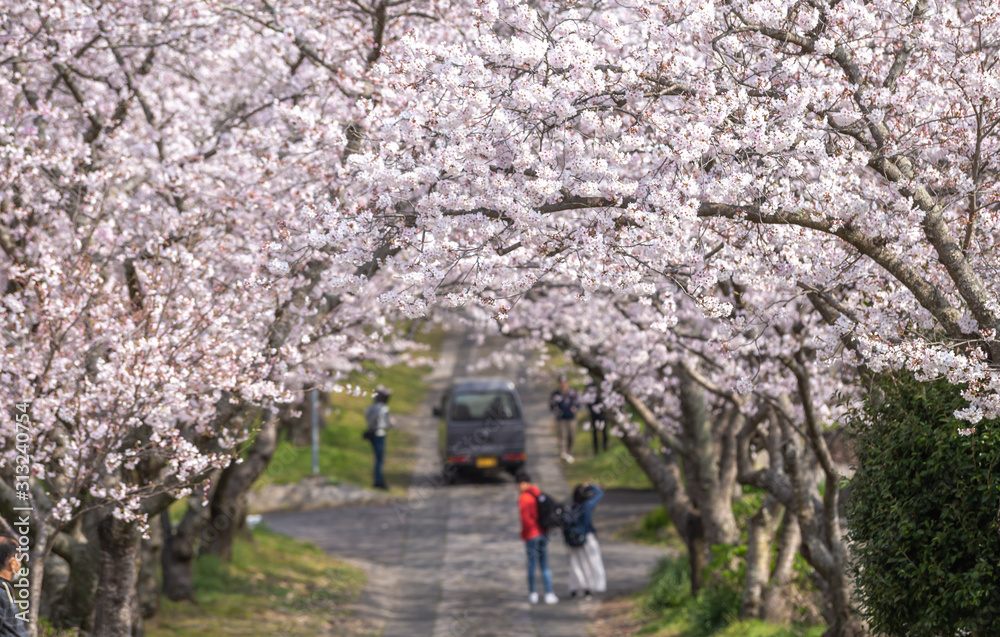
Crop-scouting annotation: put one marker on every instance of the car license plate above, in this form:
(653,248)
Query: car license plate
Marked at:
(483,463)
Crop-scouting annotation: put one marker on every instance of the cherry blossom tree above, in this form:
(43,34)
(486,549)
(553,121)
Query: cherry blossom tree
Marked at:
(175,251)
(195,198)
(847,145)
(675,371)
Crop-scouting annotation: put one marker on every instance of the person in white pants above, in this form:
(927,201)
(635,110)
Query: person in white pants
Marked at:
(586,567)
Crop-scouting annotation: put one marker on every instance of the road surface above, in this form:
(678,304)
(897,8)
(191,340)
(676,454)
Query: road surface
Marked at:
(448,561)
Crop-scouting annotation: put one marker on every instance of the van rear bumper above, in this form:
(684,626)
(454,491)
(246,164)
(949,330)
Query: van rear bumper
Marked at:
(510,460)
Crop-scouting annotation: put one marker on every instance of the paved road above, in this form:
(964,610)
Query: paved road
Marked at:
(448,561)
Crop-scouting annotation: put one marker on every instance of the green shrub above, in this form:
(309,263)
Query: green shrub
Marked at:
(716,606)
(923,512)
(670,584)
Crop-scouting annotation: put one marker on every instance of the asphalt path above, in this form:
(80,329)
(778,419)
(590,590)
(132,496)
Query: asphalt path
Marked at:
(448,560)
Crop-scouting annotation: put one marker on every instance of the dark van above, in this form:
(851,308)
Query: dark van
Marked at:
(483,426)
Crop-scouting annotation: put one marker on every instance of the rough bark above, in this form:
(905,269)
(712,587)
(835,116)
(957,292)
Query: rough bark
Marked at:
(227,510)
(774,606)
(138,621)
(148,587)
(298,429)
(37,556)
(795,456)
(703,466)
(665,475)
(80,547)
(177,556)
(760,535)
(845,622)
(824,553)
(115,607)
(711,456)
(54,587)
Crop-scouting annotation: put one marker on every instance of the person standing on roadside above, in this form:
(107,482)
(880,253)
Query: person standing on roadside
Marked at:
(586,567)
(598,423)
(536,542)
(10,567)
(564,403)
(379,422)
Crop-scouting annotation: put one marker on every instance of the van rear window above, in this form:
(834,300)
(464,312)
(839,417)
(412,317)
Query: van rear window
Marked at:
(485,405)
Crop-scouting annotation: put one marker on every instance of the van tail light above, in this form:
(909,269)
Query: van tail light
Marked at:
(513,456)
(458,459)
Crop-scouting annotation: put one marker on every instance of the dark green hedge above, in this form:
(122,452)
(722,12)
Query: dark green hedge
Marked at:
(923,513)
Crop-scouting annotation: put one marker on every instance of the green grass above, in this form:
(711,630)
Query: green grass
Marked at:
(654,529)
(757,628)
(344,456)
(609,469)
(273,586)
(45,629)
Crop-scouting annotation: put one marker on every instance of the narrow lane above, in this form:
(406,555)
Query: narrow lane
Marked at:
(449,561)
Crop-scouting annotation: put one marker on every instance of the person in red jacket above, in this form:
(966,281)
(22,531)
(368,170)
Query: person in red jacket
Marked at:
(536,542)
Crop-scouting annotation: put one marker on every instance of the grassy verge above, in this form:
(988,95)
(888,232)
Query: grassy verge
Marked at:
(653,529)
(666,609)
(344,456)
(273,586)
(614,468)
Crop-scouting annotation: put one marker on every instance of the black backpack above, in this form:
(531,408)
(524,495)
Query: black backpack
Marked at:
(552,513)
(574,533)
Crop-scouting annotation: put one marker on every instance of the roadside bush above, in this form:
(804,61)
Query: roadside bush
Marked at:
(716,606)
(923,512)
(670,584)
(718,603)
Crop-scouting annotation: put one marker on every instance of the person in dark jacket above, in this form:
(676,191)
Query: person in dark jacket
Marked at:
(564,403)
(598,423)
(586,567)
(13,617)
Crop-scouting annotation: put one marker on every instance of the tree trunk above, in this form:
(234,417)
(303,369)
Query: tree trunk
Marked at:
(664,473)
(704,466)
(229,500)
(296,427)
(115,606)
(682,498)
(80,547)
(36,556)
(138,622)
(148,589)
(822,545)
(845,622)
(177,557)
(299,428)
(775,604)
(763,526)
(698,560)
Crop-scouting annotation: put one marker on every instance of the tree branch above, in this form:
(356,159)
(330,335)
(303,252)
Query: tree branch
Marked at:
(929,296)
